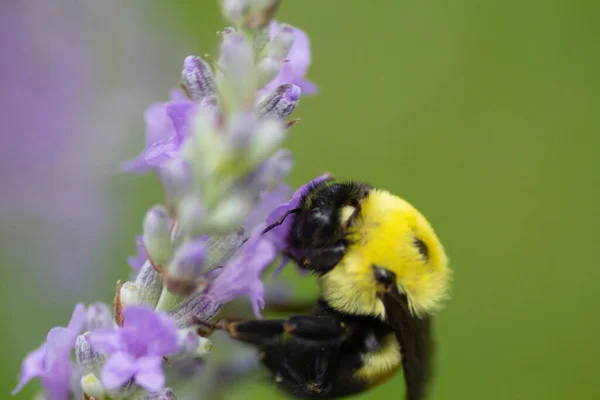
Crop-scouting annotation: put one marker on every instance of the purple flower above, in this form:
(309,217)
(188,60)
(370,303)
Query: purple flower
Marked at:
(136,262)
(296,67)
(166,127)
(241,275)
(266,205)
(137,348)
(51,362)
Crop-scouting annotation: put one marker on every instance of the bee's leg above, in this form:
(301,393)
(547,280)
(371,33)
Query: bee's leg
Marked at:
(262,333)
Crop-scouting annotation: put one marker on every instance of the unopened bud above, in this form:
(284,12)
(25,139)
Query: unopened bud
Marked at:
(202,308)
(157,236)
(198,78)
(281,103)
(192,216)
(185,268)
(176,178)
(162,394)
(148,283)
(237,62)
(229,214)
(268,68)
(281,44)
(92,387)
(129,294)
(88,359)
(191,344)
(98,316)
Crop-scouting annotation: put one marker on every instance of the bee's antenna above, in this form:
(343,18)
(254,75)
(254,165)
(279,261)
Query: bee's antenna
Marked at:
(280,220)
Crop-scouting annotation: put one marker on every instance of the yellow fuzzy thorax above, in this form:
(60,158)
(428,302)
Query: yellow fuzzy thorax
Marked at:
(384,235)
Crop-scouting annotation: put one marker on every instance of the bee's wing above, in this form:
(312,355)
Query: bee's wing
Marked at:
(414,336)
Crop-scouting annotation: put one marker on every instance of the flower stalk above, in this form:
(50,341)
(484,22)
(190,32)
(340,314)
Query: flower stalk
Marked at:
(217,147)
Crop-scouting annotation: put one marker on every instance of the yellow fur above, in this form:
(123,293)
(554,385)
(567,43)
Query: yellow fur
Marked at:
(381,364)
(384,235)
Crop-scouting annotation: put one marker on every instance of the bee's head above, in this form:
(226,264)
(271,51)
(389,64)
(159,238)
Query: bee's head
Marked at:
(319,230)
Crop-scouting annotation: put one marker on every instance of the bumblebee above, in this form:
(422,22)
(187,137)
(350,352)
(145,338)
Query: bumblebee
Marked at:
(382,273)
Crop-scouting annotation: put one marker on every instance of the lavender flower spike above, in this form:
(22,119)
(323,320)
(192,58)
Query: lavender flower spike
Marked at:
(137,348)
(51,361)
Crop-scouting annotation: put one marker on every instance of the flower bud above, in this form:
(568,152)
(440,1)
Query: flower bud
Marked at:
(268,68)
(92,387)
(163,394)
(176,178)
(98,316)
(229,214)
(261,38)
(149,285)
(88,359)
(191,344)
(157,236)
(198,78)
(237,85)
(191,216)
(194,307)
(185,268)
(281,44)
(222,247)
(281,103)
(129,294)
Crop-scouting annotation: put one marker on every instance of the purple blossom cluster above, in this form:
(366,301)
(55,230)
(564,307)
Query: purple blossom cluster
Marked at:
(217,147)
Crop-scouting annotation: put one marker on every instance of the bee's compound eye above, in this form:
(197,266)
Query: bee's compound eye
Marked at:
(422,248)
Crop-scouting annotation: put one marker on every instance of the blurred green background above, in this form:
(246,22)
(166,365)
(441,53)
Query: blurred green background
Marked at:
(481,113)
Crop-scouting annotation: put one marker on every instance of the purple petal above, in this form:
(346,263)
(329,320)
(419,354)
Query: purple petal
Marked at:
(266,205)
(33,366)
(118,370)
(161,142)
(180,112)
(136,262)
(147,332)
(166,342)
(106,340)
(149,374)
(241,276)
(158,124)
(298,61)
(57,369)
(77,319)
(308,87)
